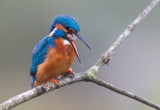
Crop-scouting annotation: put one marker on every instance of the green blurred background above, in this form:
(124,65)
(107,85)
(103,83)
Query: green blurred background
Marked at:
(135,66)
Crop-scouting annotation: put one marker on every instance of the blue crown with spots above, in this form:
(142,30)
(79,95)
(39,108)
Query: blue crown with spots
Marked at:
(66,20)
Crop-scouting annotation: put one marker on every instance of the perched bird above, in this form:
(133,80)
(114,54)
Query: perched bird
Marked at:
(54,55)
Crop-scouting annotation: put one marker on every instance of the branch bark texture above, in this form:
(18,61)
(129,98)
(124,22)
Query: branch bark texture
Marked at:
(123,92)
(89,75)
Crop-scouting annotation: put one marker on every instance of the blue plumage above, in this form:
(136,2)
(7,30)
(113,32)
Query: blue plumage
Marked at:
(66,20)
(59,33)
(40,51)
(38,54)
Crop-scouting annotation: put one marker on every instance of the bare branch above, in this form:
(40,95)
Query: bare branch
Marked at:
(35,92)
(105,58)
(123,92)
(88,75)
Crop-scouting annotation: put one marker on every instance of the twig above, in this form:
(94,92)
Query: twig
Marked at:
(123,92)
(90,74)
(105,58)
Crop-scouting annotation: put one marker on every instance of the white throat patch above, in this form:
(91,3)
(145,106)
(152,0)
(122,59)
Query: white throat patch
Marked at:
(66,42)
(51,33)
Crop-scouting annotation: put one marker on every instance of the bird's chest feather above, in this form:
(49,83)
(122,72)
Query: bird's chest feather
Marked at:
(58,61)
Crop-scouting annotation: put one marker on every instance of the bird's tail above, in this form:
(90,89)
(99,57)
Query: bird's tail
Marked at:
(33,80)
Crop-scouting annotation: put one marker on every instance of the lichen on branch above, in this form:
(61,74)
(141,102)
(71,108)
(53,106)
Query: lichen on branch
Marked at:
(89,75)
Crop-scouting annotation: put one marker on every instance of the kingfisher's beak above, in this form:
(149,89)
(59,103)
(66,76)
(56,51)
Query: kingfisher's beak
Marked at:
(79,35)
(75,49)
(71,38)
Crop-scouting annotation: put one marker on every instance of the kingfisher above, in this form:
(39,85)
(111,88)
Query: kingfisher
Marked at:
(54,55)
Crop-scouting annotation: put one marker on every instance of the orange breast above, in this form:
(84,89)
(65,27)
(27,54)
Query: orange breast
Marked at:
(58,61)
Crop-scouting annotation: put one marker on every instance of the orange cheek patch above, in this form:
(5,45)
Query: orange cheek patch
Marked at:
(73,30)
(59,26)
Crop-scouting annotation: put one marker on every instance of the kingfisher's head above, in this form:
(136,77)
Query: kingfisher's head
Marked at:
(67,27)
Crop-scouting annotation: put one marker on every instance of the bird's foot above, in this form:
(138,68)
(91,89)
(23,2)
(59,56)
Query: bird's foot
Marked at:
(55,81)
(70,73)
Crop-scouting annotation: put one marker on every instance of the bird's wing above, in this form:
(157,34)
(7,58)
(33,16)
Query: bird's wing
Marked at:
(39,54)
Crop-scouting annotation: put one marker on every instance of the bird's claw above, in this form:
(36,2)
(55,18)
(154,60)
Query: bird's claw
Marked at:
(46,86)
(55,81)
(69,73)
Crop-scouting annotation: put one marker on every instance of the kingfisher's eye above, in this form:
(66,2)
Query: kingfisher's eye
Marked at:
(67,27)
